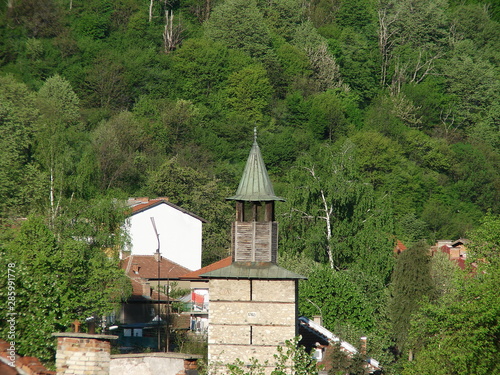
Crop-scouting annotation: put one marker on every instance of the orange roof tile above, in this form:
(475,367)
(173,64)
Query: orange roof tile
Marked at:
(23,365)
(146,267)
(211,267)
(399,248)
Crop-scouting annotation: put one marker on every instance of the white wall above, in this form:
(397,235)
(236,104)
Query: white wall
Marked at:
(149,363)
(180,235)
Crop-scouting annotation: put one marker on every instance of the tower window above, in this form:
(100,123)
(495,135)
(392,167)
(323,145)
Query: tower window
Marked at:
(254,211)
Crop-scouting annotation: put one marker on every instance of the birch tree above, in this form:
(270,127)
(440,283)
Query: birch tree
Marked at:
(412,36)
(57,136)
(333,216)
(172,34)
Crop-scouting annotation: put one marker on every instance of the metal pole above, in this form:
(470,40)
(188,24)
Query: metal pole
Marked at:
(167,346)
(159,305)
(158,258)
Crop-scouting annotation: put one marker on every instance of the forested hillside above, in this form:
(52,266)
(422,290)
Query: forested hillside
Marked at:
(378,120)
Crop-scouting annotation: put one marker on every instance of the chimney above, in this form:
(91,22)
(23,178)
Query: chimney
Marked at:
(318,319)
(362,349)
(75,326)
(83,353)
(157,256)
(146,289)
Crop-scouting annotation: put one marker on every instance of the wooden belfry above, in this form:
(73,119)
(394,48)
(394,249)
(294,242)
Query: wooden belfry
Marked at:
(255,233)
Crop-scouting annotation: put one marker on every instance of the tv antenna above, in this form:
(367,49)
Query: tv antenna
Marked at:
(158,258)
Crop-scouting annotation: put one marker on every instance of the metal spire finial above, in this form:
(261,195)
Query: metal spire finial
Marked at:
(255,185)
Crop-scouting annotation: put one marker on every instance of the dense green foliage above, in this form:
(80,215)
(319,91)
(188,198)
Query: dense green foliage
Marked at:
(467,316)
(378,121)
(411,284)
(59,277)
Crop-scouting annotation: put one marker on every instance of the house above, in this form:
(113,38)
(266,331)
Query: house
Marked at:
(179,231)
(253,301)
(153,279)
(316,337)
(455,250)
(198,301)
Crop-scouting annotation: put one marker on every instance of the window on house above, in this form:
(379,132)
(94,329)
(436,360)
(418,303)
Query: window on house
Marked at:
(137,332)
(318,354)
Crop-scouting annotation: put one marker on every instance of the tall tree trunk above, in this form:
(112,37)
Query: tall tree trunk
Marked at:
(327,218)
(151,2)
(385,40)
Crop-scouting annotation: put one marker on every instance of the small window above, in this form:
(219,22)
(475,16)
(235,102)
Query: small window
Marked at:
(137,332)
(127,332)
(318,354)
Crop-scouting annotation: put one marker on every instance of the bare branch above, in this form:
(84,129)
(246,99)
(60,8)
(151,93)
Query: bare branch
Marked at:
(172,35)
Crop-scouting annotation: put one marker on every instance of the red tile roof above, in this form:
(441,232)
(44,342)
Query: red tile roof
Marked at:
(211,267)
(138,292)
(23,365)
(5,369)
(461,263)
(141,204)
(146,267)
(399,248)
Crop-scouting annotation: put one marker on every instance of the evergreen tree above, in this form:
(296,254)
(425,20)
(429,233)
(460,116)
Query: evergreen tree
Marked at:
(411,284)
(466,315)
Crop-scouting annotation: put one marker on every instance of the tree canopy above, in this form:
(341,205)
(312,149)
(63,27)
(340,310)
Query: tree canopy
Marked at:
(378,122)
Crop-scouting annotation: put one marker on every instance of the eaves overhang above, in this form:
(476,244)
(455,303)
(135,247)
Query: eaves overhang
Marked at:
(253,270)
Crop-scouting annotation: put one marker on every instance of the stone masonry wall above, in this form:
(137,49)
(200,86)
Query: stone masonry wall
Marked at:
(154,364)
(250,318)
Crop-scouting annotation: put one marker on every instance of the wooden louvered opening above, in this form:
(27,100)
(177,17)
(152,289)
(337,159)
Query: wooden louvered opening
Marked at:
(255,241)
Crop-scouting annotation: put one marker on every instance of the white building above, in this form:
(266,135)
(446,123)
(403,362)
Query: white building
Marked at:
(180,231)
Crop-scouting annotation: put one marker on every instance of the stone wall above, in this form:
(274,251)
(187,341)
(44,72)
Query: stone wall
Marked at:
(250,318)
(154,363)
(83,354)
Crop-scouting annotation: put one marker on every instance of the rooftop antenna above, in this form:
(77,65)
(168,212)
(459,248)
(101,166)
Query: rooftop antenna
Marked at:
(158,275)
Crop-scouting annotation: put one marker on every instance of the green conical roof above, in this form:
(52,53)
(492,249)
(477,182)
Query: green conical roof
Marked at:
(255,184)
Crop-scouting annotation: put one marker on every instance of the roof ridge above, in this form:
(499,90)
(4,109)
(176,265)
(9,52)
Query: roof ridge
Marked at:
(129,264)
(153,203)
